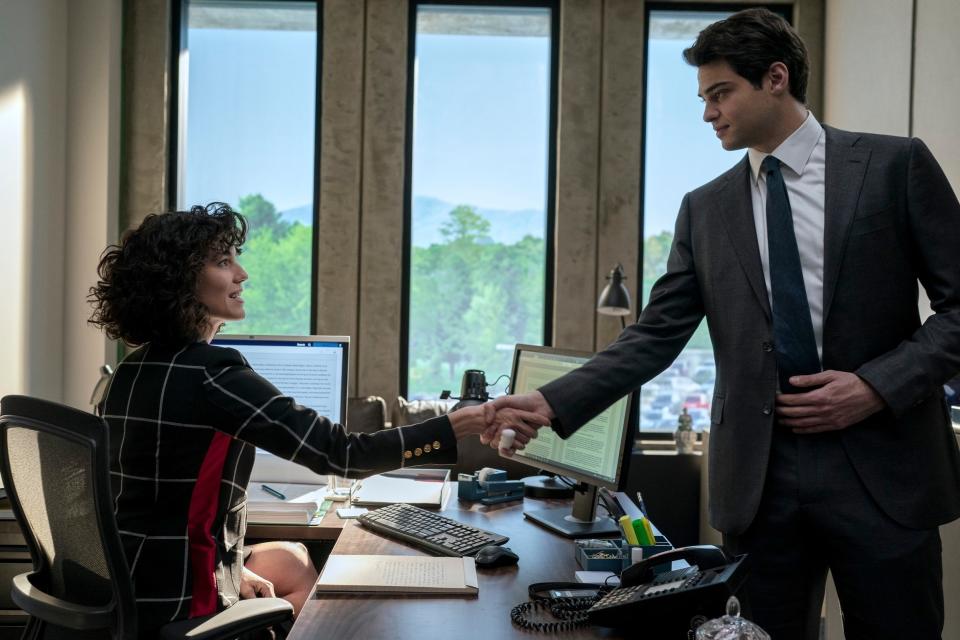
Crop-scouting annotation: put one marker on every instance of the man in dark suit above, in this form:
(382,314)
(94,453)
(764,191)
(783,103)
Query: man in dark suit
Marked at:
(830,443)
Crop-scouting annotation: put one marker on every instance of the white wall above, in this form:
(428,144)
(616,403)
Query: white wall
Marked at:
(870,85)
(92,185)
(867,65)
(59,106)
(33,85)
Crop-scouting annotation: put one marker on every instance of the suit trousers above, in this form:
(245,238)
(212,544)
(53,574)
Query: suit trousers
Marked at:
(815,515)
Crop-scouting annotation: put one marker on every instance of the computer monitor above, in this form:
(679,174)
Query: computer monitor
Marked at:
(596,455)
(312,370)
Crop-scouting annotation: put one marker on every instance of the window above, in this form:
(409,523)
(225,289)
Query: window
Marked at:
(246,136)
(480,189)
(680,154)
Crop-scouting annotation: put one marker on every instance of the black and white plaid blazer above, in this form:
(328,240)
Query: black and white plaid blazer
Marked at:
(184,424)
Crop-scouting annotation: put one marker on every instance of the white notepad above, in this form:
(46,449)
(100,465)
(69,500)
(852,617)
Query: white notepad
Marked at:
(299,505)
(398,575)
(418,487)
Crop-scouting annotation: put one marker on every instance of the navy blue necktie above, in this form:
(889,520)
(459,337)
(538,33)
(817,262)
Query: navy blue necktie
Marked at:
(796,346)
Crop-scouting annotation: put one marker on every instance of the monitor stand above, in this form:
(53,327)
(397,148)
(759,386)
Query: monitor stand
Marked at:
(581,522)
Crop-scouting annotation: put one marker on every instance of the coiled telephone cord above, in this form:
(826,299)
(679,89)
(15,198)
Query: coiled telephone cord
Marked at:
(570,614)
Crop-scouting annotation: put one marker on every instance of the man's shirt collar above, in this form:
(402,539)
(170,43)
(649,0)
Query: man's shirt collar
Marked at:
(794,152)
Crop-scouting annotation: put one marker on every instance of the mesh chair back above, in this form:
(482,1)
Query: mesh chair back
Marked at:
(52,476)
(56,471)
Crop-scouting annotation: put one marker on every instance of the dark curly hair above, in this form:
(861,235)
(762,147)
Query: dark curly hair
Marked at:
(750,41)
(147,290)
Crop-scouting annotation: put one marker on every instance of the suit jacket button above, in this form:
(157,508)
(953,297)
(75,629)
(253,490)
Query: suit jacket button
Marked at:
(418,451)
(768,347)
(767,410)
(407,454)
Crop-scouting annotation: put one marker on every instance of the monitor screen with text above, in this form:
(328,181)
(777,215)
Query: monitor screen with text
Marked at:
(595,453)
(310,369)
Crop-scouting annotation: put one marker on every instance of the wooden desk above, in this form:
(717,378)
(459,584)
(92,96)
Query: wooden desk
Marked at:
(544,557)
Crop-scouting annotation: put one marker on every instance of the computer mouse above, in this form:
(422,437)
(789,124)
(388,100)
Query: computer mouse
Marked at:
(495,556)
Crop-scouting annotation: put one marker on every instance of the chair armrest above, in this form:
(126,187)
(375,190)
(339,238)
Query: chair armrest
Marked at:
(56,611)
(246,615)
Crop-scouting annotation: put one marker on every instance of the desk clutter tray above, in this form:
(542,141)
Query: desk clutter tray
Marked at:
(616,554)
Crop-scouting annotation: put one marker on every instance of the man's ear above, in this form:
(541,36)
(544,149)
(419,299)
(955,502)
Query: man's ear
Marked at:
(779,78)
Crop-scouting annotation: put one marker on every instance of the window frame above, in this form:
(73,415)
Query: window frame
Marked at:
(550,240)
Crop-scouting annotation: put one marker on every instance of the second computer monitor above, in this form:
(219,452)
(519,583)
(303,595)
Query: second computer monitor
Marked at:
(595,453)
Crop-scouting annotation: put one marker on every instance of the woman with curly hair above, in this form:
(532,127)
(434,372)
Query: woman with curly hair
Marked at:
(185,418)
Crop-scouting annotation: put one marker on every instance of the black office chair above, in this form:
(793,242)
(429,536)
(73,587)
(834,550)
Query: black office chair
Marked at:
(55,467)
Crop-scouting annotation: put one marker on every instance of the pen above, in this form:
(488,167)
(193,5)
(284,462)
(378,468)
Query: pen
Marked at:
(643,507)
(273,492)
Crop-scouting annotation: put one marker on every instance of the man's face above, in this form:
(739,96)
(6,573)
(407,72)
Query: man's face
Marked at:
(741,115)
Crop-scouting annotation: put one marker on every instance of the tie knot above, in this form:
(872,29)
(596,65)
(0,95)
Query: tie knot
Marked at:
(769,164)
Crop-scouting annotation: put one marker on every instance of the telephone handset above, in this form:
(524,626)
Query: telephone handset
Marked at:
(674,597)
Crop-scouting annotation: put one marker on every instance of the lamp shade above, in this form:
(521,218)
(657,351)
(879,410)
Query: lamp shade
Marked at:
(473,389)
(615,299)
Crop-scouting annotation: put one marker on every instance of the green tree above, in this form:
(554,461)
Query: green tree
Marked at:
(656,250)
(262,214)
(465,226)
(278,258)
(470,300)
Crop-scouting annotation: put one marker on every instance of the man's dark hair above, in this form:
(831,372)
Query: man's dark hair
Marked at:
(750,41)
(147,290)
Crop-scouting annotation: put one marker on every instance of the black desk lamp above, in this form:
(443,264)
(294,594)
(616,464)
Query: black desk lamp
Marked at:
(615,299)
(473,390)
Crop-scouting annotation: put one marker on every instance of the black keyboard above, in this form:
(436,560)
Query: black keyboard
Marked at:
(428,530)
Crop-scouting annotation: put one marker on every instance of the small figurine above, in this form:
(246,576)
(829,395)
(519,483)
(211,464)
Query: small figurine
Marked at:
(684,436)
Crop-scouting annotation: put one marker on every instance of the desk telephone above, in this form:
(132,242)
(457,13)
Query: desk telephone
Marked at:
(700,589)
(666,602)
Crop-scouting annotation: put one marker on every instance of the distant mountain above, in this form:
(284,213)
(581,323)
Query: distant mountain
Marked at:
(506,227)
(303,214)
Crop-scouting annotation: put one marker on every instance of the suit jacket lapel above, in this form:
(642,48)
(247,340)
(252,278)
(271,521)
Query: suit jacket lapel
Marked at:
(736,206)
(845,168)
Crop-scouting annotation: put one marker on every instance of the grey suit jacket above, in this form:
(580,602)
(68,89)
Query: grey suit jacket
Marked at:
(891,219)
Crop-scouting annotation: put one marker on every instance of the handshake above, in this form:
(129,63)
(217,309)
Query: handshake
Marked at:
(507,423)
(512,421)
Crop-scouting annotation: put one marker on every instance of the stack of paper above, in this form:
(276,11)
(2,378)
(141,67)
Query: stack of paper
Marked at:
(417,487)
(398,575)
(299,504)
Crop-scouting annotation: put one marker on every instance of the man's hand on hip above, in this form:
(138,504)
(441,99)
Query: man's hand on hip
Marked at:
(837,400)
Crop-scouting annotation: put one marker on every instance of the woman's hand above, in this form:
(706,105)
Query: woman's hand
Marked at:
(253,586)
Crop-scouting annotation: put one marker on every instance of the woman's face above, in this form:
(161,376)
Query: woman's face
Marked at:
(219,288)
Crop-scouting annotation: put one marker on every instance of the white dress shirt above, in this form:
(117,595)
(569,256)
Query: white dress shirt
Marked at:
(803,158)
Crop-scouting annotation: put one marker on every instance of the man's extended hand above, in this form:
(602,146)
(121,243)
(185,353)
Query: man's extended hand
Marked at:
(505,411)
(842,399)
